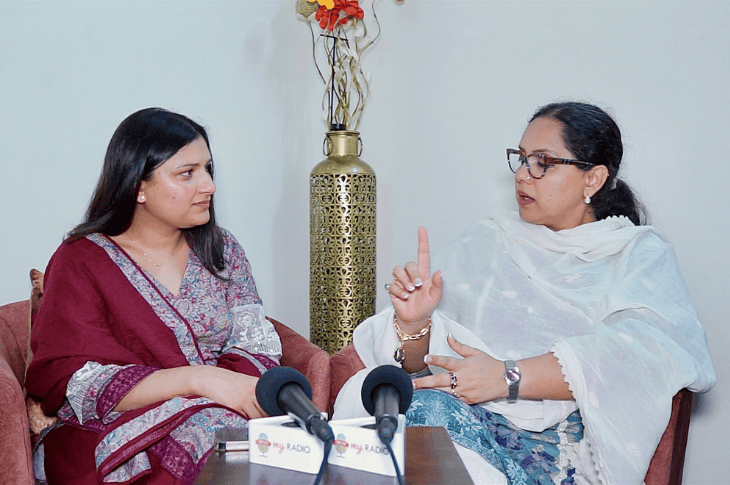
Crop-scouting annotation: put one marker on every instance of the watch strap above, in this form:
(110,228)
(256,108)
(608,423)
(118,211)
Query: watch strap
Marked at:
(512,377)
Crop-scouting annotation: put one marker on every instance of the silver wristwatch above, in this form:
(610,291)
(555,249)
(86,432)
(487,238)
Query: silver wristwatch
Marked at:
(512,377)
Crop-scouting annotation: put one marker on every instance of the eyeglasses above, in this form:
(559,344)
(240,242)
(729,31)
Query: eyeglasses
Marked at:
(538,163)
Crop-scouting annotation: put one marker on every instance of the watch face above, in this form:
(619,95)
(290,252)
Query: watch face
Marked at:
(512,375)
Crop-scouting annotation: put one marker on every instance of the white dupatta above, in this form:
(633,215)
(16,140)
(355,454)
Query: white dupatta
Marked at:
(606,298)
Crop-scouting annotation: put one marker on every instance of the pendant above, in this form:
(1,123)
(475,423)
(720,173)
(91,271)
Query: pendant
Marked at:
(399,354)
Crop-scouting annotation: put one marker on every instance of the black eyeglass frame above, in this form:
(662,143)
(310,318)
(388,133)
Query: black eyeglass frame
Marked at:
(545,160)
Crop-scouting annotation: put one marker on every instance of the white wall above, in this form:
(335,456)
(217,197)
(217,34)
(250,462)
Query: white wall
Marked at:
(454,83)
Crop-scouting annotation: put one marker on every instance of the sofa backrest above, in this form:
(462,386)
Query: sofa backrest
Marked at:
(14,334)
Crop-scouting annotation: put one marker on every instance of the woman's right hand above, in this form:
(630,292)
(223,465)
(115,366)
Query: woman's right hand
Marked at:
(232,389)
(415,293)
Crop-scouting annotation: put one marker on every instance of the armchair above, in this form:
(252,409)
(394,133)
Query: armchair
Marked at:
(15,447)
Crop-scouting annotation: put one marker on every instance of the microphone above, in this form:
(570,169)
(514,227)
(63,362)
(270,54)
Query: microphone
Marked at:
(283,390)
(386,392)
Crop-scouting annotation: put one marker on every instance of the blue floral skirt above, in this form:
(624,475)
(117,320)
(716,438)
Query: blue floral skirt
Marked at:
(523,456)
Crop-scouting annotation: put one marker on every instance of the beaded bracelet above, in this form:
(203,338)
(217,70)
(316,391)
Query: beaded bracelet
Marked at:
(403,337)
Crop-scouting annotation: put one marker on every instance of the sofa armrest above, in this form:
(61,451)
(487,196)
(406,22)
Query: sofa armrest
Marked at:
(302,355)
(15,450)
(667,463)
(343,364)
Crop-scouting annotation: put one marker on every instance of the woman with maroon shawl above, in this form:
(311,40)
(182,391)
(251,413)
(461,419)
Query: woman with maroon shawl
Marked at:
(151,334)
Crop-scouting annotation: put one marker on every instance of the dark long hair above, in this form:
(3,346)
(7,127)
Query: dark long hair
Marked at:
(593,136)
(142,142)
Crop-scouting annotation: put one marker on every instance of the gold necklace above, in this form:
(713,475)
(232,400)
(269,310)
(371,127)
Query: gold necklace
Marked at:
(157,266)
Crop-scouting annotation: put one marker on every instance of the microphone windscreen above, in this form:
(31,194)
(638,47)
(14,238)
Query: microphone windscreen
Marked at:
(271,382)
(391,375)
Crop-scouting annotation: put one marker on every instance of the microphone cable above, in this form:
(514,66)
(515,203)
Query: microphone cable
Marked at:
(327,449)
(395,463)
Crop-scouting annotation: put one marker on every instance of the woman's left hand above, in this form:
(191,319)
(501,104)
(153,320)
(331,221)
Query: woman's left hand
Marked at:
(477,377)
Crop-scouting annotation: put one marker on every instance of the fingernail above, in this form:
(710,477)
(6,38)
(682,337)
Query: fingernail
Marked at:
(427,359)
(411,287)
(404,296)
(414,384)
(418,282)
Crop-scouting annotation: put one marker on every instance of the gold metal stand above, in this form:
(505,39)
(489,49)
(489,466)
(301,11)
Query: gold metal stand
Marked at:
(342,242)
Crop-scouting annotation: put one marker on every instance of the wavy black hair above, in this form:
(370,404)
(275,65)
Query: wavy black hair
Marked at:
(142,142)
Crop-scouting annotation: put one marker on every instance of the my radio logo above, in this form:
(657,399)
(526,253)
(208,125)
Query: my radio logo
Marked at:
(341,444)
(263,444)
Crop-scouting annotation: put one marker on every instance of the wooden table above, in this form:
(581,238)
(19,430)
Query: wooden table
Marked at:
(430,459)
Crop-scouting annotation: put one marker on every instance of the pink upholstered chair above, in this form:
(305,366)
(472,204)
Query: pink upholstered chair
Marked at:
(307,358)
(666,465)
(15,451)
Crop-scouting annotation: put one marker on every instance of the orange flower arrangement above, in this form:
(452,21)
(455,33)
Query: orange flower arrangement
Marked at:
(329,18)
(344,37)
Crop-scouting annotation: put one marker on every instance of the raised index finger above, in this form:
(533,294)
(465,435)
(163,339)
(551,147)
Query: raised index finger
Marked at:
(424,257)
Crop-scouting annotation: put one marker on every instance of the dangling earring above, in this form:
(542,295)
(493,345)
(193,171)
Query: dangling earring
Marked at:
(588,199)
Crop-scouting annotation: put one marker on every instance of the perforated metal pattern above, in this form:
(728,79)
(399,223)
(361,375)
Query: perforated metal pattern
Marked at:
(342,243)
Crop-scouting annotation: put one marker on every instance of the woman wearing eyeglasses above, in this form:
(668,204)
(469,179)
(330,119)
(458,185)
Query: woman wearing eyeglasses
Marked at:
(549,342)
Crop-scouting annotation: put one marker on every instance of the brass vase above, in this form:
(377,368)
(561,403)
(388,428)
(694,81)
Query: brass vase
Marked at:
(342,242)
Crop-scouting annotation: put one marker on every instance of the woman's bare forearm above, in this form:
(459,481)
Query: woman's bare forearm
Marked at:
(542,378)
(161,385)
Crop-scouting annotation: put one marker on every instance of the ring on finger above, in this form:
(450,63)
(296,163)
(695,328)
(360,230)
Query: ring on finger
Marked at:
(454,381)
(387,287)
(456,394)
